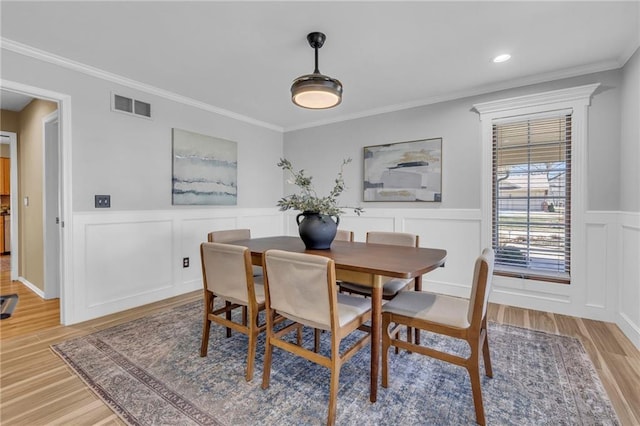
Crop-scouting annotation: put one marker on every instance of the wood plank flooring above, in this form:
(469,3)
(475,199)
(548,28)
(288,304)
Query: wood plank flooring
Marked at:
(37,388)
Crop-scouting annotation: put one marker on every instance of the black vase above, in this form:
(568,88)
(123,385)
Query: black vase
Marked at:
(317,231)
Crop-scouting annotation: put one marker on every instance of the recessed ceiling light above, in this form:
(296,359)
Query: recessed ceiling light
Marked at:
(502,58)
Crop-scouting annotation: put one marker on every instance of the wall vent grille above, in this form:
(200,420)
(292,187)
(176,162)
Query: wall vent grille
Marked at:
(131,106)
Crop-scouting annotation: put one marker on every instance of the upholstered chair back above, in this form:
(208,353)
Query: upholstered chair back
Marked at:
(392,238)
(229,235)
(481,286)
(299,288)
(227,271)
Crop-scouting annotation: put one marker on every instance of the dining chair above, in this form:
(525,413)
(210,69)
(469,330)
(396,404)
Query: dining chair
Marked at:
(392,286)
(460,318)
(302,288)
(226,274)
(344,235)
(230,235)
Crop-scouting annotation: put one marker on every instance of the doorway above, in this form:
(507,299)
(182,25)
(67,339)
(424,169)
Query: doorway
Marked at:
(11,140)
(56,177)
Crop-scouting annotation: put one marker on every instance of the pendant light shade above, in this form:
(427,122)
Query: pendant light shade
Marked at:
(316,91)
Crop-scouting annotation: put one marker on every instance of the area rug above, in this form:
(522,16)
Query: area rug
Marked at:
(7,305)
(150,373)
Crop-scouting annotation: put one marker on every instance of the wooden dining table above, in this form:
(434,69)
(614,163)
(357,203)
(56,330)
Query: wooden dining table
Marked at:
(363,263)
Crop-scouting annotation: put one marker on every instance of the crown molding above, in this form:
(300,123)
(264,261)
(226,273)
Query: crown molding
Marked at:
(482,90)
(32,52)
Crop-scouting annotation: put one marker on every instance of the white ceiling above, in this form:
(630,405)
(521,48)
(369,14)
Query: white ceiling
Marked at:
(241,57)
(12,101)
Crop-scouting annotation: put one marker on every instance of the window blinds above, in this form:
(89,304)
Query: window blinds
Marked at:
(531,230)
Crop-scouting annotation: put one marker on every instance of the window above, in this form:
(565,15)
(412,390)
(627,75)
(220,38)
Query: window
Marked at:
(533,185)
(531,199)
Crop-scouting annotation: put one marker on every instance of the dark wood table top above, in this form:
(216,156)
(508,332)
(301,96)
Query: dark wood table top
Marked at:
(378,259)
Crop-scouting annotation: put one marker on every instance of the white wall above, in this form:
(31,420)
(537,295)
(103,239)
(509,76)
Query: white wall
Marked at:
(132,254)
(612,238)
(130,157)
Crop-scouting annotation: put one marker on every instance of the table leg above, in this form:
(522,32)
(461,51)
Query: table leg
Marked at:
(416,331)
(376,325)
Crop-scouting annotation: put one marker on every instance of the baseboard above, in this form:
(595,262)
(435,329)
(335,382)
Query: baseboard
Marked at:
(31,287)
(631,330)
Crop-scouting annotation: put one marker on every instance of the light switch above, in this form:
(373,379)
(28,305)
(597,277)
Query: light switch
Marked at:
(26,201)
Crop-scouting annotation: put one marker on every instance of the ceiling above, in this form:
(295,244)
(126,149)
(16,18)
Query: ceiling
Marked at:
(241,57)
(12,101)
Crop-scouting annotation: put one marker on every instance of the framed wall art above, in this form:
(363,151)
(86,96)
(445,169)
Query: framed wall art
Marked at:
(404,171)
(205,170)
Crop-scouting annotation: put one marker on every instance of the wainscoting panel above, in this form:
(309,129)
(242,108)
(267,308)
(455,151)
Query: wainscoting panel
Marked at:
(596,250)
(629,312)
(194,232)
(137,254)
(127,259)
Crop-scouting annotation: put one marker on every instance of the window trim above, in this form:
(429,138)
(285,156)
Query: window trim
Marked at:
(577,99)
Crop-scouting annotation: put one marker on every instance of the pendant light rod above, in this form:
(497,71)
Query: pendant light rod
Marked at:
(316,41)
(316,71)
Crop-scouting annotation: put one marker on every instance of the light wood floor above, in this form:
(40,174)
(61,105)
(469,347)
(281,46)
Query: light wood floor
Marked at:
(37,388)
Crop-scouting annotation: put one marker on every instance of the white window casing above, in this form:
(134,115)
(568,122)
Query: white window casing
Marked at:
(574,101)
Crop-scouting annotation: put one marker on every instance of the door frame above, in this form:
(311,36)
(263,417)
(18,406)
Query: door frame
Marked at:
(13,161)
(67,296)
(52,195)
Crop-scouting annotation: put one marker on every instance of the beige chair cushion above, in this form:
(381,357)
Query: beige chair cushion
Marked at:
(351,307)
(431,307)
(391,287)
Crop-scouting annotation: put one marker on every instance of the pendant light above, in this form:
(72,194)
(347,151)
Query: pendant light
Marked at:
(316,91)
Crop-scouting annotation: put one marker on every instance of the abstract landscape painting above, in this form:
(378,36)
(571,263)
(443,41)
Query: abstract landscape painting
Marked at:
(404,171)
(205,170)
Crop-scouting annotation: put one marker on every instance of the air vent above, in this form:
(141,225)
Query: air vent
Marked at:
(130,106)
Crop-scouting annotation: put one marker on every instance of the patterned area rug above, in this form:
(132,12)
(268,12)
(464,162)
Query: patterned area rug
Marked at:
(150,372)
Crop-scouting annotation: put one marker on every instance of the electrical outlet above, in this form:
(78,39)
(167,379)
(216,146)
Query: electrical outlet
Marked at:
(102,201)
(185,262)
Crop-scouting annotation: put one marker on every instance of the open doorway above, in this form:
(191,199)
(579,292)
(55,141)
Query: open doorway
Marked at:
(49,278)
(9,146)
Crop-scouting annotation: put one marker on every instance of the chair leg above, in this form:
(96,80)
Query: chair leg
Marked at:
(488,371)
(244,316)
(316,340)
(299,335)
(266,370)
(206,325)
(253,343)
(228,315)
(474,374)
(333,392)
